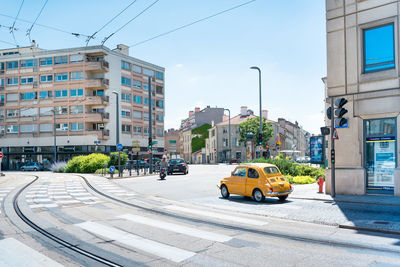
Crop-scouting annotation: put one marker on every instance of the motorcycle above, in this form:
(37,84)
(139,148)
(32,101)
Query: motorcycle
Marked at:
(163,174)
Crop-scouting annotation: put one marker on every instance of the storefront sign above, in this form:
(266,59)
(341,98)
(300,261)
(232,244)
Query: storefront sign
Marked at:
(317,149)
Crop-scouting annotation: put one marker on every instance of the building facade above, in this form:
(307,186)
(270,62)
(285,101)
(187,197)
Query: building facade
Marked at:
(199,117)
(363,67)
(172,142)
(72,92)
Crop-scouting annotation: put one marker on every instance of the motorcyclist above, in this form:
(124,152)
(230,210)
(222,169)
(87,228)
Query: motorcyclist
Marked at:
(164,163)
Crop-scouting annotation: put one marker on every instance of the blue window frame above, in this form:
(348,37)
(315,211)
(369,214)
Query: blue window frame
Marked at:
(44,94)
(61,93)
(125,81)
(12,65)
(28,96)
(46,78)
(137,69)
(12,81)
(160,104)
(137,84)
(76,92)
(379,48)
(125,65)
(46,61)
(58,60)
(160,75)
(76,126)
(137,99)
(58,77)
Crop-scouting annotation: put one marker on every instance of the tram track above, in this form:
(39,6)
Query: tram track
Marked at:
(53,237)
(263,232)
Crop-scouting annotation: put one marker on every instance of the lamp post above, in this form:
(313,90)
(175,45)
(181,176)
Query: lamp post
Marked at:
(55,135)
(259,82)
(229,132)
(117,132)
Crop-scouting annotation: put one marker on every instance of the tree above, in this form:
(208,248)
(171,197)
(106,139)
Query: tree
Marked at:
(253,125)
(114,159)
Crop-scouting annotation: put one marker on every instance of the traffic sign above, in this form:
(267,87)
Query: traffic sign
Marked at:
(112,169)
(335,135)
(149,151)
(1,155)
(135,149)
(259,148)
(119,146)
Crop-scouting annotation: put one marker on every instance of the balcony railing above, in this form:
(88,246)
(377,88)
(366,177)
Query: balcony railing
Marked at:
(96,65)
(97,116)
(97,100)
(101,134)
(97,83)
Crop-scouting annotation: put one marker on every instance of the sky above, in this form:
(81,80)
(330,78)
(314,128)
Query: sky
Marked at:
(206,64)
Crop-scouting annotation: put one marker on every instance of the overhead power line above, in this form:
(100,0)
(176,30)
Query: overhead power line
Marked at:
(190,24)
(144,10)
(28,32)
(15,20)
(111,20)
(6,42)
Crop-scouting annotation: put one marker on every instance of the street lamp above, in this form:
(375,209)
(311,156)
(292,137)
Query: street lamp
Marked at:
(117,116)
(55,135)
(259,82)
(230,143)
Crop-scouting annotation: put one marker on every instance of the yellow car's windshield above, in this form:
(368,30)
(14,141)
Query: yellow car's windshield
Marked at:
(271,170)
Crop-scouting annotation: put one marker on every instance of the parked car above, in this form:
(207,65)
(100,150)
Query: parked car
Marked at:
(177,165)
(257,180)
(32,166)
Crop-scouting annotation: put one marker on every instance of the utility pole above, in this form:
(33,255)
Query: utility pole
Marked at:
(229,132)
(150,131)
(333,193)
(117,132)
(259,85)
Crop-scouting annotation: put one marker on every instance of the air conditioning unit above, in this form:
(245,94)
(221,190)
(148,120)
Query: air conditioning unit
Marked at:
(101,126)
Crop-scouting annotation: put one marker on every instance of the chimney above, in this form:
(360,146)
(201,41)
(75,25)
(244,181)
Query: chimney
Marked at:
(243,111)
(191,113)
(265,114)
(196,109)
(123,49)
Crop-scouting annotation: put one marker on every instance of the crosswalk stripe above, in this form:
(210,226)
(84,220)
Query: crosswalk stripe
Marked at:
(43,206)
(67,201)
(15,253)
(162,250)
(216,215)
(177,228)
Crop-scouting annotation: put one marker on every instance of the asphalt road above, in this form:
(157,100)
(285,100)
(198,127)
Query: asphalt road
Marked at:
(163,224)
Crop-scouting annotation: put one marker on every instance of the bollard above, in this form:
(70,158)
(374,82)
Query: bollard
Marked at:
(320,183)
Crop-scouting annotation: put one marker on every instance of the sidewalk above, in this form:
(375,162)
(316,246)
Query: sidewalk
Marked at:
(309,192)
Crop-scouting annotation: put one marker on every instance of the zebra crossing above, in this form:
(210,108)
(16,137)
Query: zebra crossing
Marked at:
(59,194)
(112,189)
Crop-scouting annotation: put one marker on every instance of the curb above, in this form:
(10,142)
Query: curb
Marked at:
(349,201)
(369,229)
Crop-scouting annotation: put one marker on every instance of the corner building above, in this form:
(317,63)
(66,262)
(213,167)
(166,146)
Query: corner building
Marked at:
(73,90)
(363,67)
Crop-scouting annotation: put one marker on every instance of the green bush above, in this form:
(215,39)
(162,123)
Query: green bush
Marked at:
(300,179)
(87,164)
(101,171)
(114,159)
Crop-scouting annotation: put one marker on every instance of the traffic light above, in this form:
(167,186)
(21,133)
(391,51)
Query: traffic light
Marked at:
(260,139)
(340,111)
(150,143)
(329,113)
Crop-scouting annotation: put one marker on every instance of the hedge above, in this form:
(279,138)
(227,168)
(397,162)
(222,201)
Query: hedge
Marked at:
(114,159)
(87,164)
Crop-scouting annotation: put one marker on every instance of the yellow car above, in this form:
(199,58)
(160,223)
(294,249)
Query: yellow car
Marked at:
(257,180)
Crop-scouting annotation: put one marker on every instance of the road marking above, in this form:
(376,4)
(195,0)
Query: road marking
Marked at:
(3,195)
(86,198)
(36,195)
(73,201)
(216,215)
(162,250)
(62,197)
(15,253)
(34,206)
(190,231)
(42,199)
(79,194)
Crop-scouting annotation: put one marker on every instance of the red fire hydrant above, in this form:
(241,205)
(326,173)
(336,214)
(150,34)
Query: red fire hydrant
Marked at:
(321,184)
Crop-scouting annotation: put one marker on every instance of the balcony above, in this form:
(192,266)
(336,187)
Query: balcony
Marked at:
(97,66)
(97,117)
(97,83)
(97,100)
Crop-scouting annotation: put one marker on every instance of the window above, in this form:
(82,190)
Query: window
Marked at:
(78,126)
(76,75)
(76,109)
(100,92)
(159,117)
(137,69)
(62,127)
(76,92)
(28,96)
(12,97)
(61,93)
(125,65)
(46,111)
(28,80)
(224,130)
(137,99)
(46,128)
(148,72)
(126,97)
(137,115)
(125,81)
(159,90)
(160,104)
(379,48)
(252,173)
(159,75)
(146,131)
(2,82)
(28,128)
(137,130)
(45,94)
(225,142)
(75,58)
(1,129)
(137,84)
(58,77)
(159,132)
(12,81)
(12,128)
(12,113)
(12,65)
(145,101)
(61,110)
(46,61)
(146,116)
(46,78)
(271,170)
(29,112)
(126,113)
(240,172)
(126,128)
(60,60)
(28,63)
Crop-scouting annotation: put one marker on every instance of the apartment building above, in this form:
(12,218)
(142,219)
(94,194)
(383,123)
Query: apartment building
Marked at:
(199,117)
(363,67)
(72,92)
(172,142)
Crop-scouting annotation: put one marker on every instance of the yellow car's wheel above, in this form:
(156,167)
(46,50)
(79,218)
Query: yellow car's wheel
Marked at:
(224,191)
(258,195)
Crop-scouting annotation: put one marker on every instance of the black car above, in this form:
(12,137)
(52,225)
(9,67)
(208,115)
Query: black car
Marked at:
(177,165)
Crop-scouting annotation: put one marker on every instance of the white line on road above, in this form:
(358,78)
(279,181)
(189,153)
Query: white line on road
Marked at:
(86,198)
(43,206)
(149,246)
(191,231)
(62,197)
(73,201)
(15,253)
(216,215)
